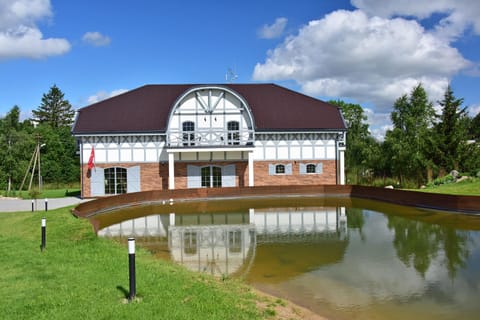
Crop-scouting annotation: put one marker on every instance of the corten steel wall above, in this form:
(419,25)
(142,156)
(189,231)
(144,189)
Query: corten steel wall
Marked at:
(463,204)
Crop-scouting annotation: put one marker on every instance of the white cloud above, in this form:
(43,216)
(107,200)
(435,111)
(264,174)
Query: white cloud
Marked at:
(459,14)
(102,95)
(369,59)
(473,110)
(19,35)
(96,39)
(273,31)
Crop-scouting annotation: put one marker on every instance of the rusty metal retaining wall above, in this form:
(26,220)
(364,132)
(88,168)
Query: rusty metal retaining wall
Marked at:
(463,204)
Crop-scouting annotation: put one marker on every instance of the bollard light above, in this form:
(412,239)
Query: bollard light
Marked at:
(44,234)
(46,204)
(131,268)
(33,205)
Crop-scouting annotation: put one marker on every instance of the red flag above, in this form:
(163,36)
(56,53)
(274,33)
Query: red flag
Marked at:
(91,160)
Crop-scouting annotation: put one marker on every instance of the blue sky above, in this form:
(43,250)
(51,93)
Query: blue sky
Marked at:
(364,51)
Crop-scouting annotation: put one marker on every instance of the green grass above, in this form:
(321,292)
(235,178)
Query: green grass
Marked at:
(467,187)
(47,192)
(81,276)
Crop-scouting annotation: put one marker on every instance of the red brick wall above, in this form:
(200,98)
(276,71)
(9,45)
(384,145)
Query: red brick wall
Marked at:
(154,176)
(263,178)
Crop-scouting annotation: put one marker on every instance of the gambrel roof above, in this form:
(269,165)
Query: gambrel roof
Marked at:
(146,110)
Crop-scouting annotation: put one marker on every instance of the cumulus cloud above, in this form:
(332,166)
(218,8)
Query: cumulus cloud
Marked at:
(274,30)
(19,35)
(102,95)
(96,39)
(370,59)
(473,110)
(459,15)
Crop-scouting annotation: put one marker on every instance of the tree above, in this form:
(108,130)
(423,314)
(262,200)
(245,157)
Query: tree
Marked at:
(451,133)
(16,146)
(54,109)
(359,141)
(410,142)
(474,127)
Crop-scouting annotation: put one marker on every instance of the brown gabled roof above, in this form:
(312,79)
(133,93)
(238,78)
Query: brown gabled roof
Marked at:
(146,110)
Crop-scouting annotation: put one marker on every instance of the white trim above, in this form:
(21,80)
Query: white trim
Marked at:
(171,171)
(181,150)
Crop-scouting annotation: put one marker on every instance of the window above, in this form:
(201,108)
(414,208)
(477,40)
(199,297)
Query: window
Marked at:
(279,169)
(311,168)
(190,242)
(211,177)
(206,177)
(235,241)
(233,136)
(188,127)
(115,180)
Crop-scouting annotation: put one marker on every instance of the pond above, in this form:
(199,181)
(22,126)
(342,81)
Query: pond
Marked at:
(342,258)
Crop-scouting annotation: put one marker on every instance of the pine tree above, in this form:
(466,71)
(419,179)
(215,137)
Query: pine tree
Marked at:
(451,132)
(54,109)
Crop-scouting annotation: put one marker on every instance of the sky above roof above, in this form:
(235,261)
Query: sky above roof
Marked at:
(363,51)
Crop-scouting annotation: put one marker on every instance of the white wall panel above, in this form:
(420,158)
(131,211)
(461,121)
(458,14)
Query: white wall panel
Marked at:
(270,153)
(151,155)
(307,152)
(112,155)
(138,155)
(100,155)
(282,153)
(295,153)
(330,152)
(125,155)
(319,152)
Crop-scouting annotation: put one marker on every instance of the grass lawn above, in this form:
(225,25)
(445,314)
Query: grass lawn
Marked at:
(469,187)
(82,276)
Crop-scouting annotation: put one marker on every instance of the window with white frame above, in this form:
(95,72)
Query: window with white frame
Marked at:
(280,169)
(311,168)
(233,133)
(188,128)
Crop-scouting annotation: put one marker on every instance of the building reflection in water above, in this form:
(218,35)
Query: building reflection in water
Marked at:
(225,243)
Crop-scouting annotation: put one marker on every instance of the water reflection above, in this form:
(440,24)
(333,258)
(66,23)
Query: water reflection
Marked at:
(365,260)
(226,243)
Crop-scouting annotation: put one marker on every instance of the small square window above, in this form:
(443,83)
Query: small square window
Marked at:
(279,169)
(311,168)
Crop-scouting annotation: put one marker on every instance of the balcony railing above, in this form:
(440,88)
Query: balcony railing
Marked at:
(210,138)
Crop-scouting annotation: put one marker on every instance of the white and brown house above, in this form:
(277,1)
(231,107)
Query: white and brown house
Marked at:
(193,136)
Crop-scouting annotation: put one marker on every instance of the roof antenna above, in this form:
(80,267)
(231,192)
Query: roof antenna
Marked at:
(230,76)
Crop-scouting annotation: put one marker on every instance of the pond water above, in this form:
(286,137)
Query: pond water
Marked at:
(342,258)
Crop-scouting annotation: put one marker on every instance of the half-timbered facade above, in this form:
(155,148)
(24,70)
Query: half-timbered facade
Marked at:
(193,136)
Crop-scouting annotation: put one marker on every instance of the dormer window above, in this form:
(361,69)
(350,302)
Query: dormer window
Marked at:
(233,133)
(188,128)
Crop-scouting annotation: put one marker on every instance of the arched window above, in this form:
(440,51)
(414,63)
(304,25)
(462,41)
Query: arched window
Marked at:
(279,169)
(188,128)
(115,180)
(311,168)
(233,132)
